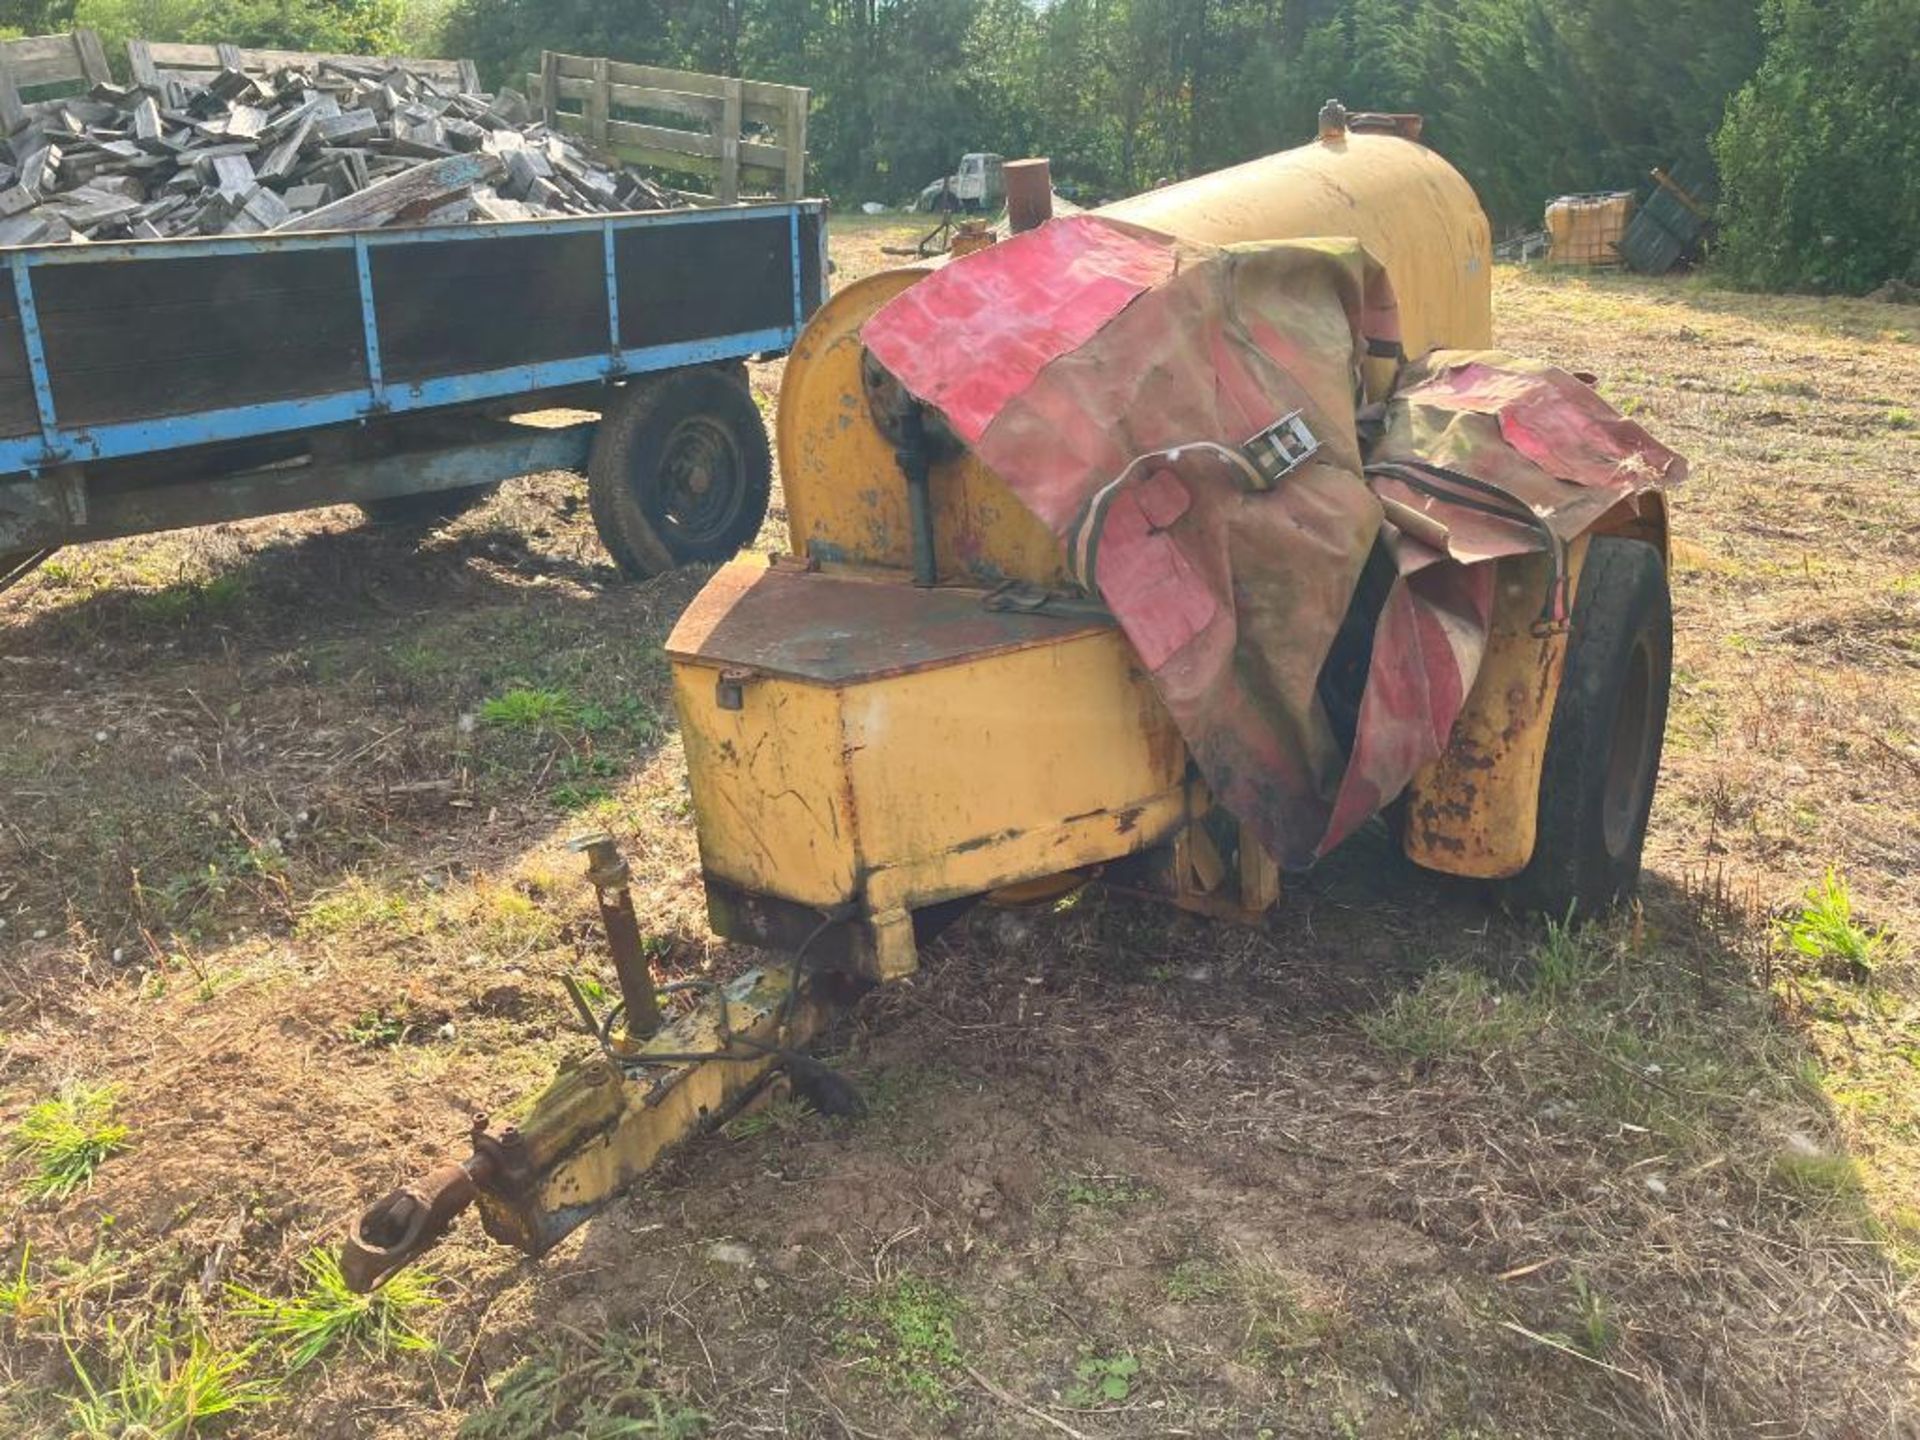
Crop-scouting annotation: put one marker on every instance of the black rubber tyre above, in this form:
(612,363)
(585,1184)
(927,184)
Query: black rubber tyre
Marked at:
(680,471)
(1603,751)
(434,507)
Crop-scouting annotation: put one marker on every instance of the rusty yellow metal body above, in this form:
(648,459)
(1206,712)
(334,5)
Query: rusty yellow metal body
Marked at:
(857,745)
(860,746)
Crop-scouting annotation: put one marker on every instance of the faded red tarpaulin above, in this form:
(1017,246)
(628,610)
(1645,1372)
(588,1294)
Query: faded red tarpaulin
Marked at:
(1100,370)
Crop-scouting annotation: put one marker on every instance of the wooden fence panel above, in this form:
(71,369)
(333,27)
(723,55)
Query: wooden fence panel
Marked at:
(715,144)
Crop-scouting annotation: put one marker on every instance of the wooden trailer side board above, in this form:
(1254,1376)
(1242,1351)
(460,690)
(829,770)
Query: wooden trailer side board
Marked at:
(39,62)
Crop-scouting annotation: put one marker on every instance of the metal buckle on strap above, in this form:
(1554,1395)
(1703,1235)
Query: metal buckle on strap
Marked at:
(1280,449)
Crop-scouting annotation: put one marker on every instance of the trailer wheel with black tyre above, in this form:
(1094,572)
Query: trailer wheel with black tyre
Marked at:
(680,470)
(1603,750)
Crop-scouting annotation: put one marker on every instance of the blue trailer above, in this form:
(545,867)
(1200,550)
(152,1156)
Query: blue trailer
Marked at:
(155,384)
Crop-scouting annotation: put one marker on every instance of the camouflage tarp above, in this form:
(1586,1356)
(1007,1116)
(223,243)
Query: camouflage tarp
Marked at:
(1109,375)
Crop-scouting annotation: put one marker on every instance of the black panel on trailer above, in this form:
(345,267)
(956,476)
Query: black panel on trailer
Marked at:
(18,414)
(452,307)
(171,336)
(690,281)
(813,263)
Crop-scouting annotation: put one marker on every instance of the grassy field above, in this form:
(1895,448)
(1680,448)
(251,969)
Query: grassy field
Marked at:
(283,812)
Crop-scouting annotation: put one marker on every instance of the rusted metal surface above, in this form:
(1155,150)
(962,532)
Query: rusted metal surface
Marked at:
(1029,193)
(607,870)
(831,629)
(391,1234)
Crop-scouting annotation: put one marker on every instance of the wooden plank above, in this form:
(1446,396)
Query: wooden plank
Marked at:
(42,60)
(599,102)
(793,136)
(13,114)
(140,57)
(727,185)
(550,87)
(93,58)
(705,108)
(692,82)
(162,55)
(422,185)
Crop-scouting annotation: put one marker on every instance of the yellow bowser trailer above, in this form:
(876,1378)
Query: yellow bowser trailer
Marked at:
(917,707)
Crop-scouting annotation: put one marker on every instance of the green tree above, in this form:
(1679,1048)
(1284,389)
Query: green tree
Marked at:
(1820,152)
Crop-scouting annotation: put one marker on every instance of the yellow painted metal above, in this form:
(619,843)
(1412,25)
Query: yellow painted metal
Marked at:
(893,785)
(595,1130)
(1413,211)
(1475,810)
(846,503)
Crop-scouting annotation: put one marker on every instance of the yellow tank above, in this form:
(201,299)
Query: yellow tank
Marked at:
(845,502)
(1412,210)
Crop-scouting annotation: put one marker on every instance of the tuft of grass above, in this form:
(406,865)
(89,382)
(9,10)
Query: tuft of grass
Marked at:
(1825,932)
(904,1333)
(782,1115)
(1103,1194)
(1818,1178)
(167,1389)
(531,710)
(325,1314)
(21,1300)
(356,906)
(1451,1012)
(613,1395)
(1595,1328)
(200,599)
(68,1138)
(1196,1280)
(1900,418)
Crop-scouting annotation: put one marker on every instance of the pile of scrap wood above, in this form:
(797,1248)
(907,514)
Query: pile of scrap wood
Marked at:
(337,146)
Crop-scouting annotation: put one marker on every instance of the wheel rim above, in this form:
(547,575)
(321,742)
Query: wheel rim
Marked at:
(1630,765)
(701,486)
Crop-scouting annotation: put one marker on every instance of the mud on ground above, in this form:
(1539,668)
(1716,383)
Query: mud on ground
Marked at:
(283,811)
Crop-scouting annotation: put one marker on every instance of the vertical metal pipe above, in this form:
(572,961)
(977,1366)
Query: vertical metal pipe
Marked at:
(916,466)
(608,872)
(1029,193)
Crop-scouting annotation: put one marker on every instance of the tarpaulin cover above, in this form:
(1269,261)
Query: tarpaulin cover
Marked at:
(1109,374)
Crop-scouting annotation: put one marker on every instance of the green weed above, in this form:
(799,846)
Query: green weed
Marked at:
(1102,1380)
(68,1137)
(1596,1331)
(1900,418)
(1193,1281)
(1826,933)
(538,711)
(161,1390)
(782,1115)
(190,599)
(1817,1178)
(1451,1012)
(21,1300)
(355,906)
(904,1333)
(611,1396)
(1103,1193)
(326,1314)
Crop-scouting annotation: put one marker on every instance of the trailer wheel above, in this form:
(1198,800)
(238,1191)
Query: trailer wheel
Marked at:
(680,471)
(431,507)
(1603,750)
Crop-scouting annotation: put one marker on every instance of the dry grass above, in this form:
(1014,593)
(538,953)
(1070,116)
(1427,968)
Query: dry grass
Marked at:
(282,862)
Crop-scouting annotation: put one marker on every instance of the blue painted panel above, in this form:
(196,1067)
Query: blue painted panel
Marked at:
(106,442)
